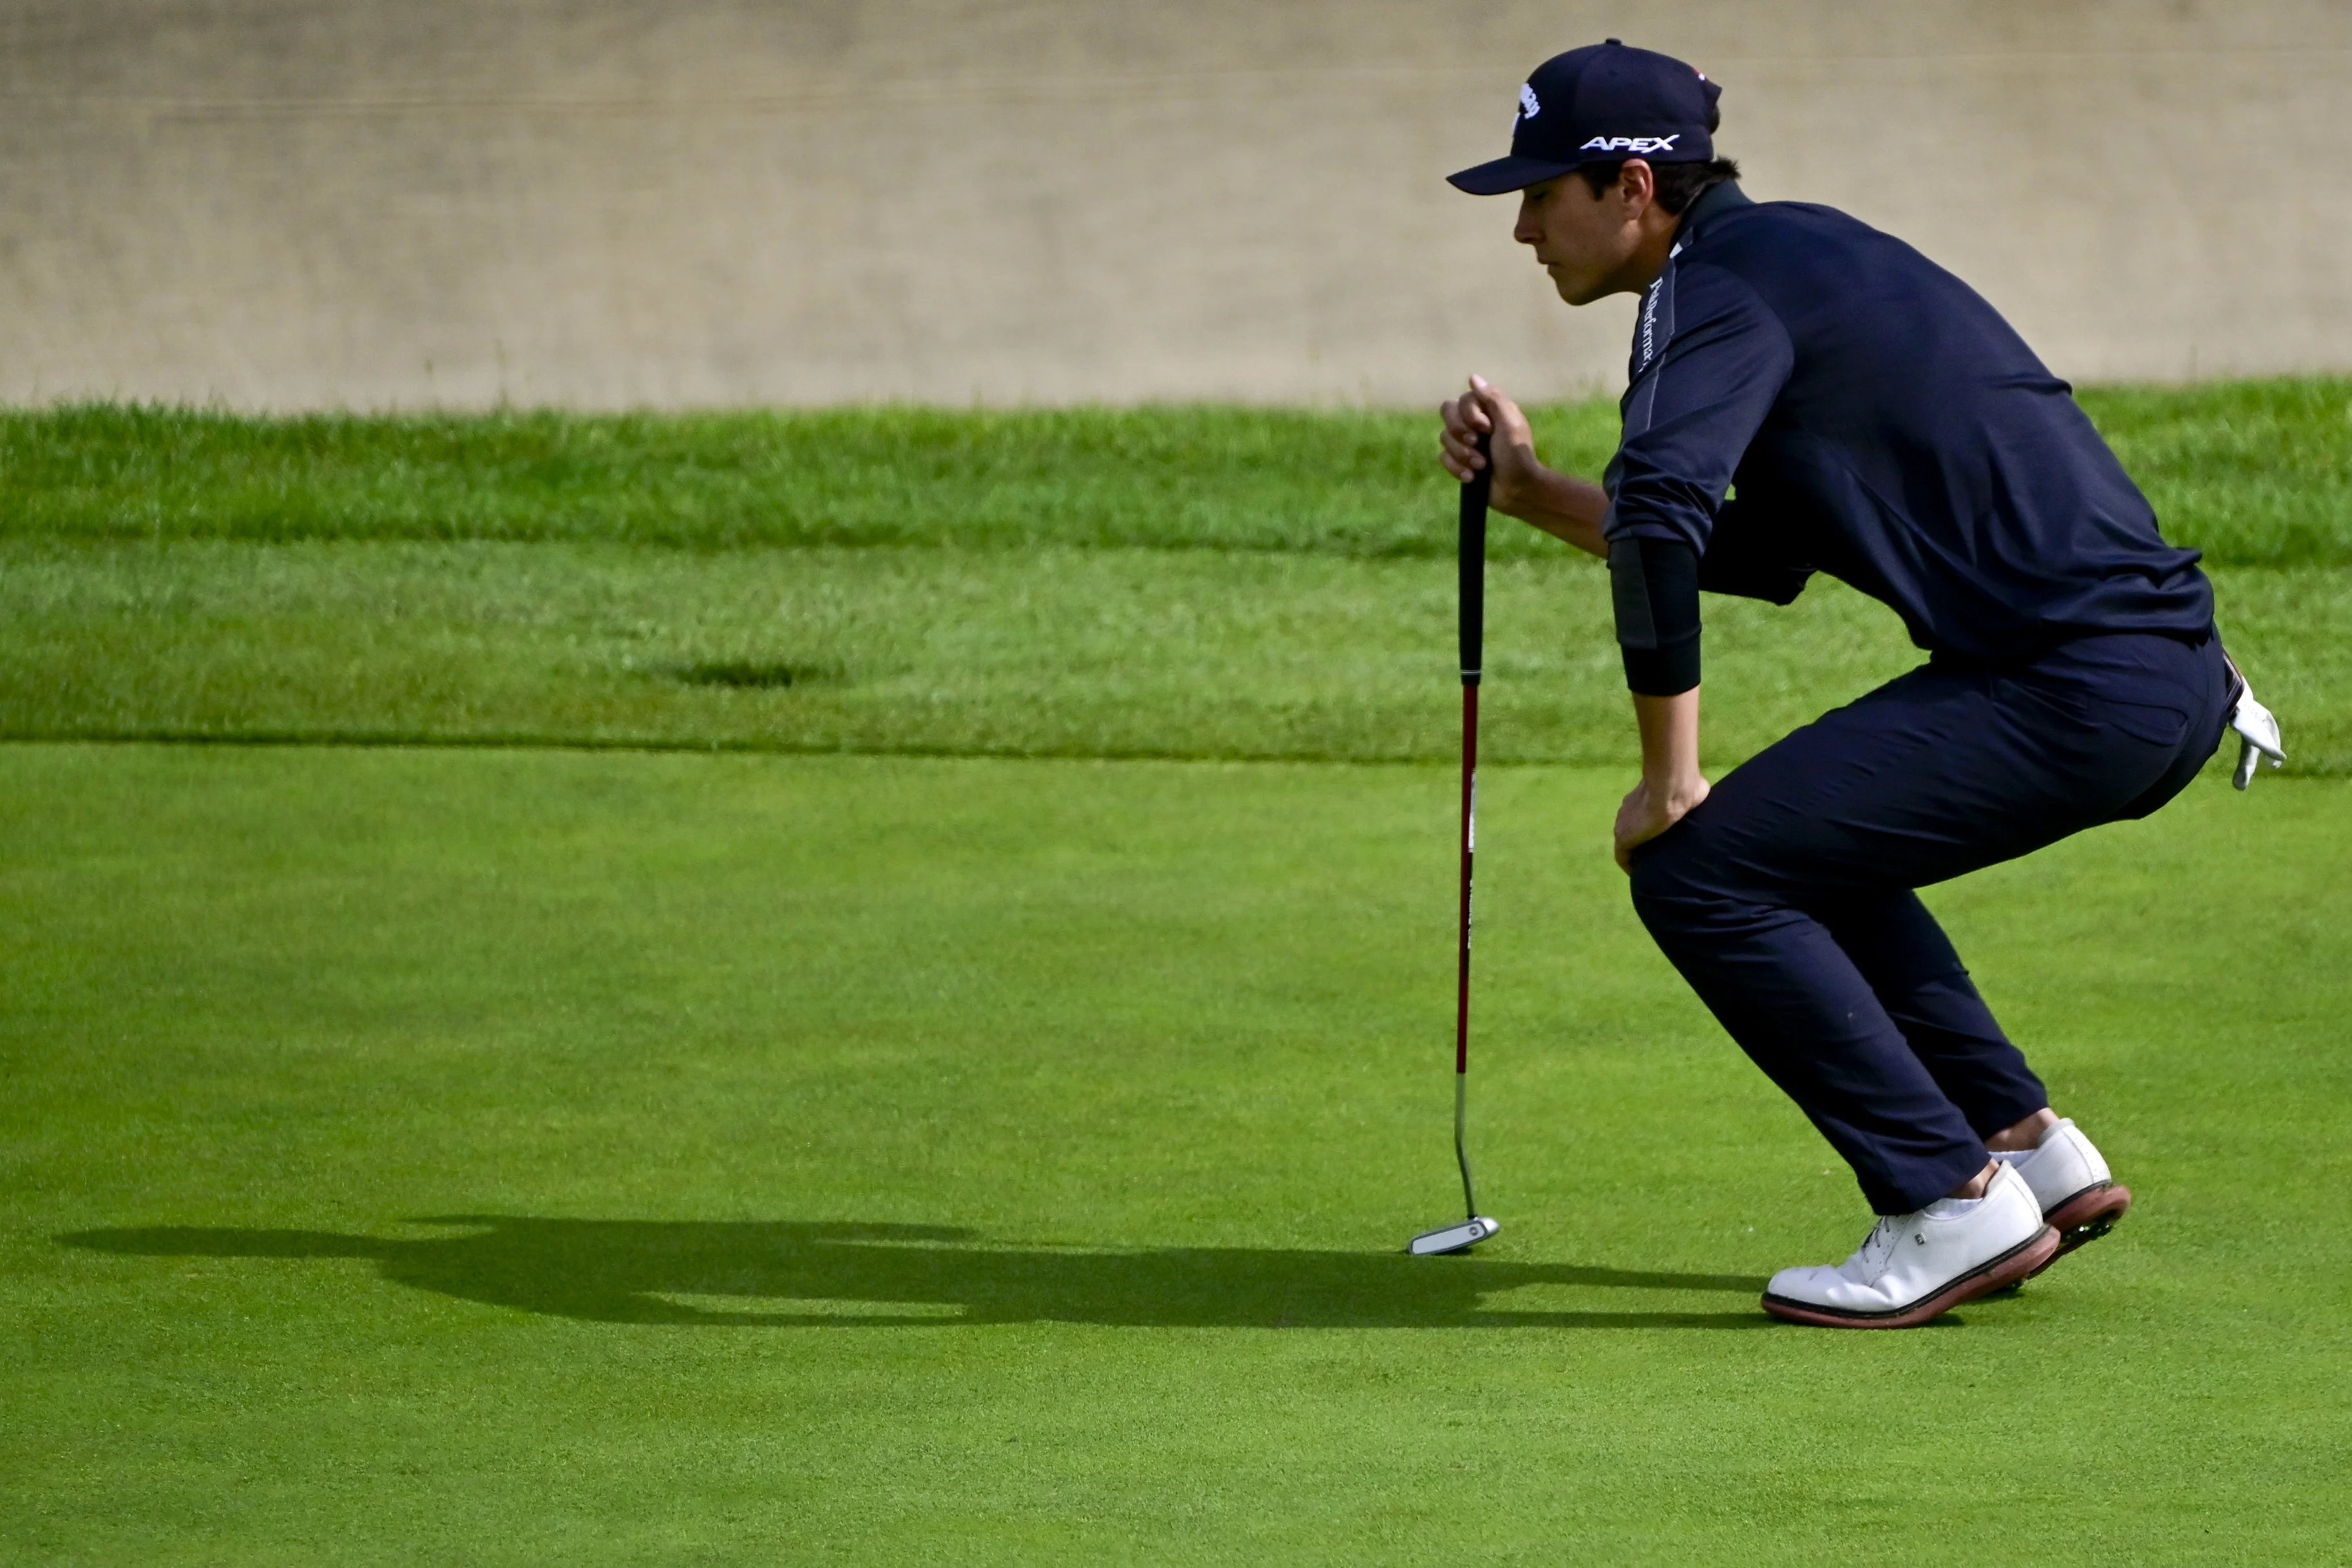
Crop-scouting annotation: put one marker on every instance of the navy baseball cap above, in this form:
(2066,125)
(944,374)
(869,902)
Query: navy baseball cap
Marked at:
(1599,104)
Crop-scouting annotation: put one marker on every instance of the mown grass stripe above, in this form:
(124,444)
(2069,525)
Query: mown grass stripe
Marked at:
(2255,473)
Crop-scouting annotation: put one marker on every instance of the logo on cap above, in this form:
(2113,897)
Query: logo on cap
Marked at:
(1599,104)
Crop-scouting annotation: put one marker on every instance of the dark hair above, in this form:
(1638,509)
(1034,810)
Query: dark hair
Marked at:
(1678,184)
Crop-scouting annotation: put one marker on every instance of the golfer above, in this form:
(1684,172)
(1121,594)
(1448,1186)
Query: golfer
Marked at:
(1808,394)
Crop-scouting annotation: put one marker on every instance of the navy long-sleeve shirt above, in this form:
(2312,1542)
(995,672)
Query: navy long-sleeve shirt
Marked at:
(1876,420)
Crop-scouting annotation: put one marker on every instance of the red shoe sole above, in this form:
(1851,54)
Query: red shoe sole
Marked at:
(2027,1257)
(2086,1217)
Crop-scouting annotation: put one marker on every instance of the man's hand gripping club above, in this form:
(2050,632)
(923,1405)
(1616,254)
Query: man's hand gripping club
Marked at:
(1559,504)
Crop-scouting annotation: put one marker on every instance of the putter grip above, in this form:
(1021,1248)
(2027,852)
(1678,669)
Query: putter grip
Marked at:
(1474,493)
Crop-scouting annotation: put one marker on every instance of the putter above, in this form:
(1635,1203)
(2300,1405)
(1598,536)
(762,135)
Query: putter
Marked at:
(1477,1228)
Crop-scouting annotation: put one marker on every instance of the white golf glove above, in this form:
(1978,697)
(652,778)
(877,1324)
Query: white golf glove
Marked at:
(2258,736)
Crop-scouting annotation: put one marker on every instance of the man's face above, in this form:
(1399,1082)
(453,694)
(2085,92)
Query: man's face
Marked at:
(1593,244)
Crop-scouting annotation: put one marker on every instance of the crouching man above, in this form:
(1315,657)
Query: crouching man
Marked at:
(1808,394)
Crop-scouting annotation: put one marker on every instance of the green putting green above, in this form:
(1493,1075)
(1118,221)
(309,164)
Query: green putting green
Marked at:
(998,1147)
(493,1156)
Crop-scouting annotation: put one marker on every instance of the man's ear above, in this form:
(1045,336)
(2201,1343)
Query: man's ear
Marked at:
(1637,185)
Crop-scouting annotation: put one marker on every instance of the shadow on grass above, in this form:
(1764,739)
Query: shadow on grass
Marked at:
(784,1274)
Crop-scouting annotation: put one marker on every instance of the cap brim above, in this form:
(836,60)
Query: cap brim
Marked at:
(1505,174)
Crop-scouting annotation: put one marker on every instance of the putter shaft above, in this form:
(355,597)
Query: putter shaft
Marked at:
(1471,581)
(1475,490)
(1460,1146)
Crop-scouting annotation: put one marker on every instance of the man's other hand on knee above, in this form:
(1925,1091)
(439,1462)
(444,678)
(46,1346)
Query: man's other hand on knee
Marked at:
(1647,812)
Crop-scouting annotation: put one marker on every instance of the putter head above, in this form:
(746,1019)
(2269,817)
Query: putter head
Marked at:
(1459,1237)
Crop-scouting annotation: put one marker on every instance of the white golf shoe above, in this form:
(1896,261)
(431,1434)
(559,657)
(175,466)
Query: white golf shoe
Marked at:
(2077,1195)
(1913,1266)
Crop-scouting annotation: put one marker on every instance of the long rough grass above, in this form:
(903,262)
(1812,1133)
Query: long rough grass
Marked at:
(2255,473)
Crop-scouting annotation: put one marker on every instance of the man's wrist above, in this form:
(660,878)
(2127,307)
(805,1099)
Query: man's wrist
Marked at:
(1670,769)
(1677,790)
(1526,495)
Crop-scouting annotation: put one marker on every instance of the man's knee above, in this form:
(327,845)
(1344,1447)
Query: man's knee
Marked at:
(1666,893)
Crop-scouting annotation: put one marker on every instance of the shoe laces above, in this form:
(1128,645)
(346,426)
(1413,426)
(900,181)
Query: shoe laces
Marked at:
(1877,1248)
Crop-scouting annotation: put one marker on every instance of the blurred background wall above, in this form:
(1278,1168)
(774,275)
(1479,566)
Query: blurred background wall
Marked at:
(294,204)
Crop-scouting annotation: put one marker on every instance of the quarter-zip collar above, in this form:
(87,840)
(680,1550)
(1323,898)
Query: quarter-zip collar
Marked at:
(1715,201)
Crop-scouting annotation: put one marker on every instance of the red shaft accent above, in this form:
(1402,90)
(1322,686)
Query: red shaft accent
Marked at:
(1469,843)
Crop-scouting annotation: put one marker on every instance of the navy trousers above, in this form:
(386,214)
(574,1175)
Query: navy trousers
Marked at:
(1786,898)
